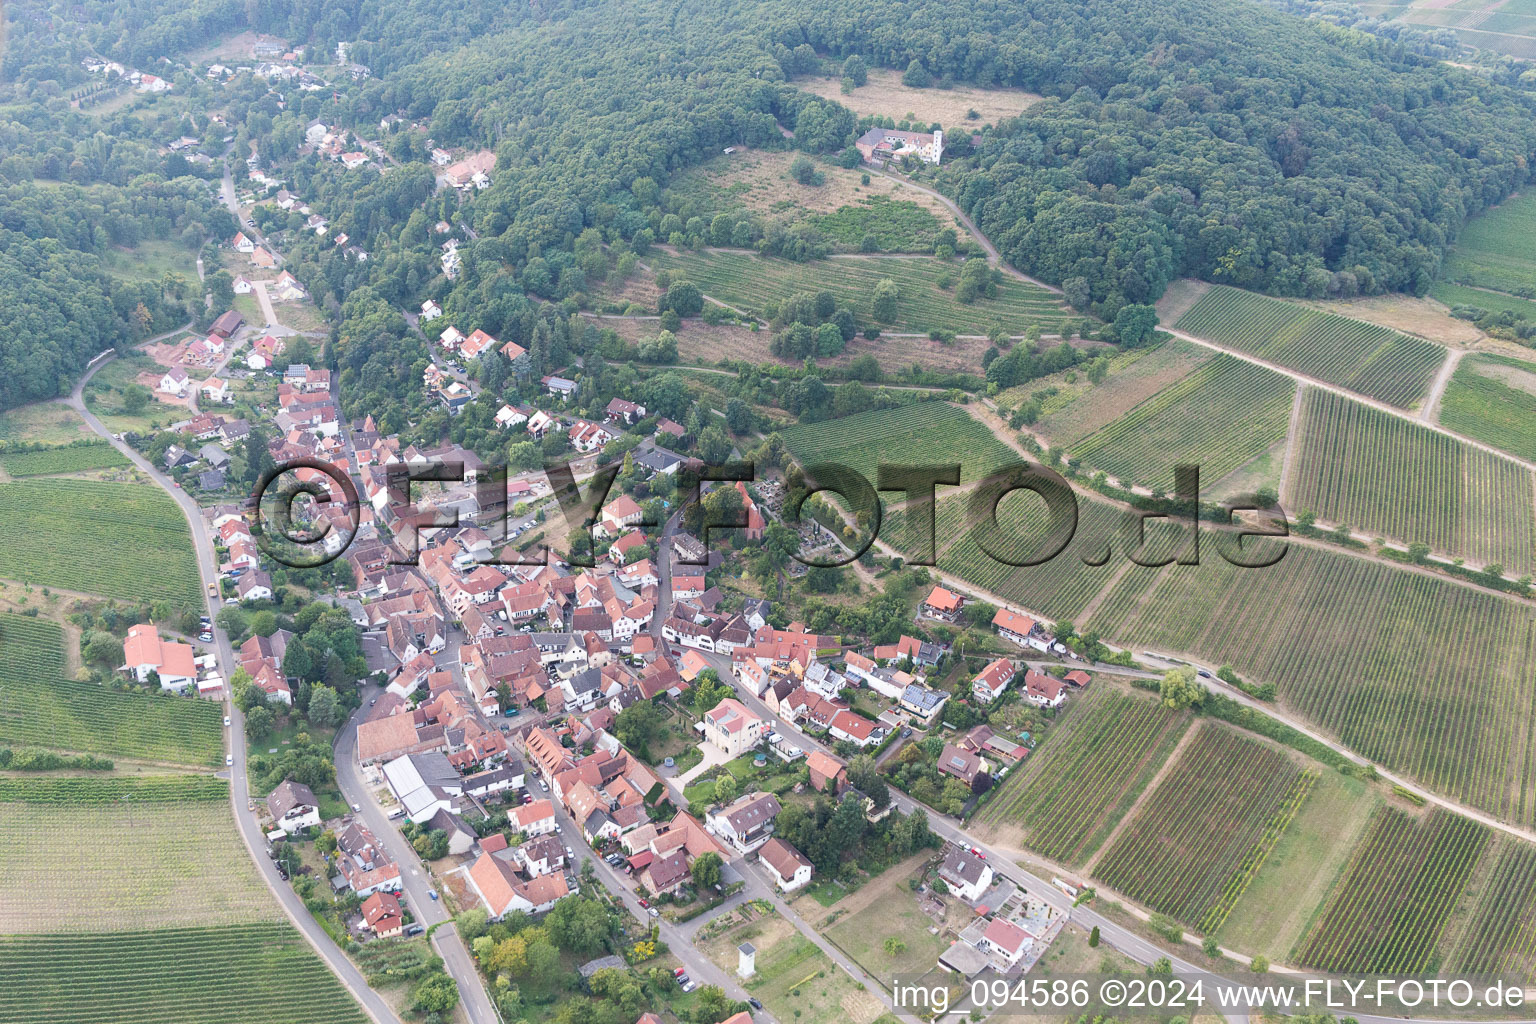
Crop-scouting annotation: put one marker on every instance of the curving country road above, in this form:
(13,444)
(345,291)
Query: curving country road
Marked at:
(239,795)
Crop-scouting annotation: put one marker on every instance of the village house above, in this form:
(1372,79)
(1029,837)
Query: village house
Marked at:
(732,728)
(788,867)
(293,806)
(747,823)
(967,875)
(942,604)
(993,680)
(171,662)
(383,916)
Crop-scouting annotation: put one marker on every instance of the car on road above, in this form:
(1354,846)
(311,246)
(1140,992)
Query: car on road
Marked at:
(229,759)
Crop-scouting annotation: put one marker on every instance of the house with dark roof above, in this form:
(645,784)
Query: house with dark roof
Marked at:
(747,823)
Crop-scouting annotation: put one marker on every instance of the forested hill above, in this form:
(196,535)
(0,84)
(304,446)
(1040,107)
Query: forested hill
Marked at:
(1216,138)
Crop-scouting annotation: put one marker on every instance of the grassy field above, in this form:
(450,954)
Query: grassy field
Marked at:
(1500,937)
(890,910)
(86,865)
(1389,910)
(1079,408)
(69,459)
(1498,302)
(1195,844)
(1394,478)
(1086,774)
(1494,249)
(912,435)
(884,94)
(104,398)
(1411,671)
(226,975)
(795,980)
(126,541)
(1493,398)
(30,648)
(759,283)
(45,423)
(1373,360)
(842,207)
(151,260)
(89,719)
(1301,868)
(1221,417)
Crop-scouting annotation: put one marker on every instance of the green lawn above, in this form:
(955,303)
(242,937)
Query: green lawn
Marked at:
(759,283)
(1300,870)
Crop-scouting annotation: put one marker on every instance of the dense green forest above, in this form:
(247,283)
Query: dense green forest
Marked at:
(1222,139)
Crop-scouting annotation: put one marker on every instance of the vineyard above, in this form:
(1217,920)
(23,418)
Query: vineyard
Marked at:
(74,458)
(1060,587)
(1493,399)
(1221,417)
(84,865)
(91,719)
(1203,833)
(1501,935)
(912,435)
(759,283)
(230,975)
(1411,671)
(1372,360)
(1390,477)
(1494,250)
(1089,770)
(127,541)
(89,791)
(30,648)
(1388,910)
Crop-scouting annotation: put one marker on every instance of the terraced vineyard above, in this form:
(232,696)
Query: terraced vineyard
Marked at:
(1372,360)
(30,648)
(1413,672)
(1501,936)
(1221,417)
(1493,399)
(91,719)
(128,541)
(912,435)
(136,861)
(1394,478)
(228,975)
(1388,910)
(75,458)
(1089,770)
(1204,832)
(759,283)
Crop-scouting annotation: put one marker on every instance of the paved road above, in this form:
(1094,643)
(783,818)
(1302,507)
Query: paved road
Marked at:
(239,795)
(413,874)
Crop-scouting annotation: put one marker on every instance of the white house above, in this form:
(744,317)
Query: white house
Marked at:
(293,806)
(967,875)
(788,866)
